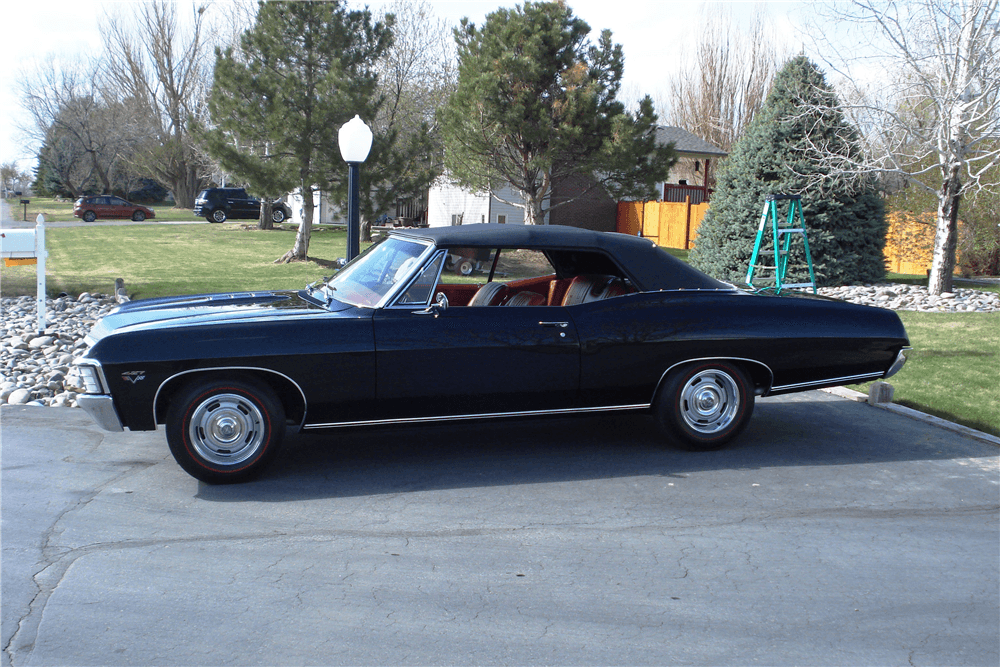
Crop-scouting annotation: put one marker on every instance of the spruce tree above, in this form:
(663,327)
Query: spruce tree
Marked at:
(844,216)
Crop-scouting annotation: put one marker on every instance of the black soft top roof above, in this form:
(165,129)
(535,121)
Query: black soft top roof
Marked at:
(648,265)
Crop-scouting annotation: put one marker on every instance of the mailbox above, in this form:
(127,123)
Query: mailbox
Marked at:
(27,246)
(17,243)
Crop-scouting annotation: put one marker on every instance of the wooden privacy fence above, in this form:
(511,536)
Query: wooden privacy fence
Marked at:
(909,242)
(667,224)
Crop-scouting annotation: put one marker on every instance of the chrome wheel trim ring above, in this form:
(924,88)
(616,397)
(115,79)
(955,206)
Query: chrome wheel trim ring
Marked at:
(226,429)
(709,401)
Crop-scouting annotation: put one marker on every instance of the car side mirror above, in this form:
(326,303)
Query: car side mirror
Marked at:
(439,306)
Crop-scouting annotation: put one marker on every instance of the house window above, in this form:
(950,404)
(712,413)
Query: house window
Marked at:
(456,220)
(697,165)
(502,219)
(482,218)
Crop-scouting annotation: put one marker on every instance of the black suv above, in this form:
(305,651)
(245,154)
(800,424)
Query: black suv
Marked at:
(221,204)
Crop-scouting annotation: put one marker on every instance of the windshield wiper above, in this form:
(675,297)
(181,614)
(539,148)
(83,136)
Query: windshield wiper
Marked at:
(311,287)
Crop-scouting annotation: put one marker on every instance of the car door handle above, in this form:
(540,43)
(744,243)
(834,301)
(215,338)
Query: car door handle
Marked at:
(561,325)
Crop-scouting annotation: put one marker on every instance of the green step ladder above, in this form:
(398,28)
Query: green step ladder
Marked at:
(782,234)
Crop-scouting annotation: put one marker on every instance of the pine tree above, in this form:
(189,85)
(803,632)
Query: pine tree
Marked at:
(536,102)
(844,216)
(279,100)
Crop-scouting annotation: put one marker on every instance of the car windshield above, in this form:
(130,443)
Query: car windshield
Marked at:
(373,273)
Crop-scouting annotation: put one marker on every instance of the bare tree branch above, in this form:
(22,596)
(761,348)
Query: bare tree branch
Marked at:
(930,113)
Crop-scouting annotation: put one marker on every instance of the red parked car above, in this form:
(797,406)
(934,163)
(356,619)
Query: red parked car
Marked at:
(108,206)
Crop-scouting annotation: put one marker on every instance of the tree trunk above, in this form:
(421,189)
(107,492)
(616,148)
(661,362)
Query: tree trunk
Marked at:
(946,236)
(266,221)
(299,251)
(533,210)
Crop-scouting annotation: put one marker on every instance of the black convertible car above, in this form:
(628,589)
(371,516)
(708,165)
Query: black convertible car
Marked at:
(552,320)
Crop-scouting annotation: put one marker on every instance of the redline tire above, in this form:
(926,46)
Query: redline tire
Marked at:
(703,405)
(222,431)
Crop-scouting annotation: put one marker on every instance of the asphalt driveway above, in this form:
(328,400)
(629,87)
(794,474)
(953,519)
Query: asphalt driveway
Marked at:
(830,533)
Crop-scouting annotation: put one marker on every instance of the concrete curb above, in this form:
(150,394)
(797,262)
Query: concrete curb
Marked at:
(857,396)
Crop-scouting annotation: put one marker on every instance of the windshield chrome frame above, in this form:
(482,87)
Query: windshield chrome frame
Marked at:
(400,285)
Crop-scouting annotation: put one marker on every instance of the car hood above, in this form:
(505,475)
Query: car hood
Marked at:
(207,310)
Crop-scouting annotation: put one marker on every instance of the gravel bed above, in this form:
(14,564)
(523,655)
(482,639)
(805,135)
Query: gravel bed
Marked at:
(33,366)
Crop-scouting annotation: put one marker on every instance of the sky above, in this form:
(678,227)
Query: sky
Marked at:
(656,36)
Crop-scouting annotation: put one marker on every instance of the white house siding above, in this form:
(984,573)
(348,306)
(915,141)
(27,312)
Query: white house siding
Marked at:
(324,212)
(446,200)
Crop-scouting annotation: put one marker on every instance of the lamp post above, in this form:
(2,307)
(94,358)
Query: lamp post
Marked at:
(355,140)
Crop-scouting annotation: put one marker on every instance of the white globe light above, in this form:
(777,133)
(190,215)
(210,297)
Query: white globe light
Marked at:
(355,140)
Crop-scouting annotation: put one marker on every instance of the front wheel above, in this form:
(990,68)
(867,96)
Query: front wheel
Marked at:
(218,215)
(138,216)
(277,215)
(224,431)
(704,405)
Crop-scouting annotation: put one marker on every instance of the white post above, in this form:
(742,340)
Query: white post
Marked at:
(40,269)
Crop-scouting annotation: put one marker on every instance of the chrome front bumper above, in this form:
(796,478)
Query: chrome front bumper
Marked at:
(102,410)
(898,363)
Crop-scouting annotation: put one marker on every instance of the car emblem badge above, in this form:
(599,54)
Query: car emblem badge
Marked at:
(134,376)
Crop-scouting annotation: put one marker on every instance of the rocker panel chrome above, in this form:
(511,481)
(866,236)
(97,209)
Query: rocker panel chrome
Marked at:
(483,415)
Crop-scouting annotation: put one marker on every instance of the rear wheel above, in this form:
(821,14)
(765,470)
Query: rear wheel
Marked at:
(704,405)
(277,215)
(218,215)
(223,431)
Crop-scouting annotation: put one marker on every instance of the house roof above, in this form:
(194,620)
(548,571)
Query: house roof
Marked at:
(687,144)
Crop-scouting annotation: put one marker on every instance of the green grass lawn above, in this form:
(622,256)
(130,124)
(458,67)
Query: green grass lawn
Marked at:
(158,260)
(952,372)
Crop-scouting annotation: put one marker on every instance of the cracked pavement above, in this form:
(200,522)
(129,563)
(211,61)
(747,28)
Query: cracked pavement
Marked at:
(829,533)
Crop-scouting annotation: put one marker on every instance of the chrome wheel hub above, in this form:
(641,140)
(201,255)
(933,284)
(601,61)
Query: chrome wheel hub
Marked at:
(226,429)
(710,401)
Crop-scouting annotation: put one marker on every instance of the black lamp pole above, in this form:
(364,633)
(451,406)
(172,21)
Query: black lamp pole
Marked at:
(353,210)
(355,139)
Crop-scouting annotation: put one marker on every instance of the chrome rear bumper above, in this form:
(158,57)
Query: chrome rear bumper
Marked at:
(898,363)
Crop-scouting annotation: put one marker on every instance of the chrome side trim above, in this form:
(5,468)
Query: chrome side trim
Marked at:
(209,369)
(897,363)
(484,415)
(847,379)
(102,410)
(688,361)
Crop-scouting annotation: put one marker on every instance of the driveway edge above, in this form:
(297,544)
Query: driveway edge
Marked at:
(859,397)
